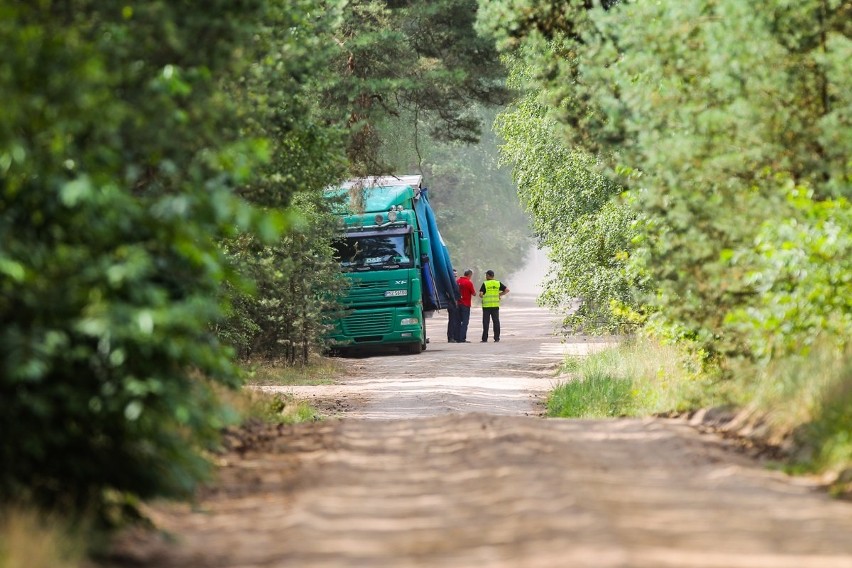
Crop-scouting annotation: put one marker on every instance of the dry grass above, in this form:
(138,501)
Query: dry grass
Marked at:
(809,398)
(31,540)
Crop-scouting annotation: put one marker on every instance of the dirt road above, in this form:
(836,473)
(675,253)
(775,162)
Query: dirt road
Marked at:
(441,460)
(511,377)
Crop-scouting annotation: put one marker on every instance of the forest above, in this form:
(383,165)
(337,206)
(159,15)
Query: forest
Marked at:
(686,164)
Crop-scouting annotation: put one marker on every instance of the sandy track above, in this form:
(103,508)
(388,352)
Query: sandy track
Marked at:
(441,461)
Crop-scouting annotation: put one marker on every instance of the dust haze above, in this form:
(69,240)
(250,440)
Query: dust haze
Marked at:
(529,279)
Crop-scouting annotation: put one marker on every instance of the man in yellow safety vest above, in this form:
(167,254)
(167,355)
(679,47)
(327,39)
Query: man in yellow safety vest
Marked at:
(491,291)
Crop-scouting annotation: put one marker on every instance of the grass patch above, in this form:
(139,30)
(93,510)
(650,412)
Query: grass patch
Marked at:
(29,539)
(282,408)
(273,408)
(320,371)
(571,364)
(593,396)
(249,405)
(636,378)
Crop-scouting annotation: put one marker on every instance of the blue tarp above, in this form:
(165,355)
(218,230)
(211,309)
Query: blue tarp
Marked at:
(442,267)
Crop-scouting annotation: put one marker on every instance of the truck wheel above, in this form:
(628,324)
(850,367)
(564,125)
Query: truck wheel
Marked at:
(424,342)
(413,348)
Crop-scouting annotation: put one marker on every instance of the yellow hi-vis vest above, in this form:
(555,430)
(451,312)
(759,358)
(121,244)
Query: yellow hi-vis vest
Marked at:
(491,298)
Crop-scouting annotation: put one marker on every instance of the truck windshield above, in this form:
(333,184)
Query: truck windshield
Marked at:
(373,252)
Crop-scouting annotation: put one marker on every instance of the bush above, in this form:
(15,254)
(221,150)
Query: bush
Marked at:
(801,269)
(297,285)
(118,163)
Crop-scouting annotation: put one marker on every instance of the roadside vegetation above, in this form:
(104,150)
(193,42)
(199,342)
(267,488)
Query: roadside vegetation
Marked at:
(640,377)
(801,407)
(260,407)
(688,165)
(268,372)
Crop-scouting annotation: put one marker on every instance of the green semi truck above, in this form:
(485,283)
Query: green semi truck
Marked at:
(397,264)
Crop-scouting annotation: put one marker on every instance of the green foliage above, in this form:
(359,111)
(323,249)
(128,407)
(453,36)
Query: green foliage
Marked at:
(119,157)
(290,53)
(746,103)
(709,103)
(801,268)
(408,58)
(278,408)
(296,280)
(830,434)
(733,124)
(578,215)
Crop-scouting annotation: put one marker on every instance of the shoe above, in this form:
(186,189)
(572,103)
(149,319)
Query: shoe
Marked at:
(451,341)
(465,341)
(496,341)
(484,341)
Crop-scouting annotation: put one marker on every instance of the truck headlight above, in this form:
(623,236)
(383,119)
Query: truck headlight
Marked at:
(409,321)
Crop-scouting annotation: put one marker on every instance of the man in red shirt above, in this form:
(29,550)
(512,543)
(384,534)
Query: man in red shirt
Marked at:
(467,292)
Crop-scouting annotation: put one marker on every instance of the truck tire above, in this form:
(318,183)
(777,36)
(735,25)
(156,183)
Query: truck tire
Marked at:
(413,348)
(420,346)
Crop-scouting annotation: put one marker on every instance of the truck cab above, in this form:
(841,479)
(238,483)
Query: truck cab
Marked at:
(388,249)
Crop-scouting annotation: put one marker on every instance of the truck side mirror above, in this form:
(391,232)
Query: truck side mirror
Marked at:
(424,247)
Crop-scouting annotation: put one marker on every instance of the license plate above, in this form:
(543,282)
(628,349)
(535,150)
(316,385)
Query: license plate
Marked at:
(391,293)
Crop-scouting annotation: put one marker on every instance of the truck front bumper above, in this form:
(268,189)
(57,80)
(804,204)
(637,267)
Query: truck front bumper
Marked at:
(379,326)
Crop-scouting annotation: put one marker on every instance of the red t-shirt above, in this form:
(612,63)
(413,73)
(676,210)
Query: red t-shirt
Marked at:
(466,289)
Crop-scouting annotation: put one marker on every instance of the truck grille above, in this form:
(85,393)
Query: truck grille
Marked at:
(367,324)
(361,291)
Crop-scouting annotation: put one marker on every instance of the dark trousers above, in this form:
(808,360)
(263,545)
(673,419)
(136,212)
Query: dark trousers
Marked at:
(464,320)
(489,315)
(452,321)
